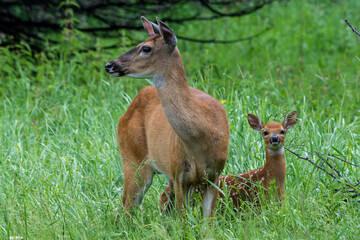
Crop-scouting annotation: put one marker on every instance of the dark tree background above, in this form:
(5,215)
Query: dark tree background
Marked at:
(33,21)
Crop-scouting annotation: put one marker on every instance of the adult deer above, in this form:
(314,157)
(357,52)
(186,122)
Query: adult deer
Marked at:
(171,128)
(245,186)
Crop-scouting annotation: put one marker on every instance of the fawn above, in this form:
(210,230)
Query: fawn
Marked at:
(243,187)
(170,128)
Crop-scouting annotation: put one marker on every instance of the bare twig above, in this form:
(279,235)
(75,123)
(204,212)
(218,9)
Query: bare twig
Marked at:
(345,161)
(357,184)
(352,189)
(313,163)
(332,167)
(352,28)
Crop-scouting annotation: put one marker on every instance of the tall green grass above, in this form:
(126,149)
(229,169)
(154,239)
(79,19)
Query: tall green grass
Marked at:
(60,171)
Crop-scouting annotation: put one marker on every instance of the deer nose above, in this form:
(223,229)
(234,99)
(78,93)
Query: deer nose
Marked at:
(108,66)
(274,140)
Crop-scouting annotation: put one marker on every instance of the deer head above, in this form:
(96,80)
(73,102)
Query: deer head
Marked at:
(149,58)
(273,132)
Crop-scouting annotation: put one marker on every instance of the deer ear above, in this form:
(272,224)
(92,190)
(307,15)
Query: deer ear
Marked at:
(290,120)
(148,26)
(255,122)
(155,28)
(168,36)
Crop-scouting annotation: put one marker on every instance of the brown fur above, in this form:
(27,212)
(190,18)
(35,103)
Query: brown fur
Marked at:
(172,128)
(239,187)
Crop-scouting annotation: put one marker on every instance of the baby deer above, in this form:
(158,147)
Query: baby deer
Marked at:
(245,185)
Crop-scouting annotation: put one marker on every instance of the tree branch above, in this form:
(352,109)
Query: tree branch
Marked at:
(330,166)
(350,188)
(234,14)
(330,155)
(23,19)
(313,163)
(223,41)
(352,28)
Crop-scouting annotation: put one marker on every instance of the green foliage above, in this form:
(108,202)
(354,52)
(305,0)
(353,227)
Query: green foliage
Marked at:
(60,171)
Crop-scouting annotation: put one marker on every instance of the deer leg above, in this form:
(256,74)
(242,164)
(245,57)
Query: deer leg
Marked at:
(209,197)
(167,198)
(181,189)
(137,180)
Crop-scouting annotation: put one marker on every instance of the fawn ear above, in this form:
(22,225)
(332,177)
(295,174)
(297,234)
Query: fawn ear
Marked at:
(148,26)
(255,122)
(290,120)
(168,36)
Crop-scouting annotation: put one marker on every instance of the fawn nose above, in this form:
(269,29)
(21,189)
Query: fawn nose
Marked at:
(274,140)
(108,66)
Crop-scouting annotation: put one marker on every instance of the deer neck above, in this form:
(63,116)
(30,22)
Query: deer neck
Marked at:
(275,168)
(180,107)
(172,77)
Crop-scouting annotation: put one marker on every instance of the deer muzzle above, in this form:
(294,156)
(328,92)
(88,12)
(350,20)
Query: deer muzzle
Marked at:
(274,140)
(115,69)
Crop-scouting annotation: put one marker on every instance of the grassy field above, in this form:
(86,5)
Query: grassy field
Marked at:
(60,170)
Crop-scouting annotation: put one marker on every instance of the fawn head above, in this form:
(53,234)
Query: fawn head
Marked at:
(273,132)
(148,58)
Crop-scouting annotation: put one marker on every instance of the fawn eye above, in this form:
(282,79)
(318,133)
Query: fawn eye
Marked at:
(265,133)
(282,132)
(146,49)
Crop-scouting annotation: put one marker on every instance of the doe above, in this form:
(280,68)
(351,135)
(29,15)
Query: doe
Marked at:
(170,128)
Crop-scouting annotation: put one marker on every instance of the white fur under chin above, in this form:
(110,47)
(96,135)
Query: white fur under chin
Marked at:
(114,74)
(158,81)
(276,151)
(139,75)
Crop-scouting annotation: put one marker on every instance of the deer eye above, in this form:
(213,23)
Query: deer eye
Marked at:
(282,132)
(265,133)
(146,49)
